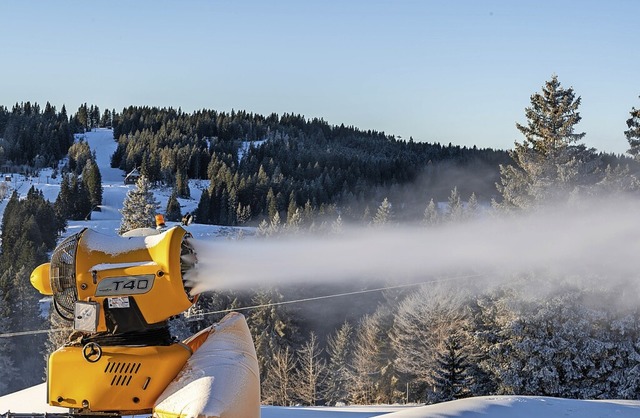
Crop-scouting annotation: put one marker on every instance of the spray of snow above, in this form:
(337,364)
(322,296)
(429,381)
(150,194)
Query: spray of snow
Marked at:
(600,239)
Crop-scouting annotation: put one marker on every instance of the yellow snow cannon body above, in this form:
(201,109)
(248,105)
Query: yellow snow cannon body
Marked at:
(119,293)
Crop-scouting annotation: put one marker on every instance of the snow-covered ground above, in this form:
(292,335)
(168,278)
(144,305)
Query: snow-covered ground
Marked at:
(107,221)
(33,400)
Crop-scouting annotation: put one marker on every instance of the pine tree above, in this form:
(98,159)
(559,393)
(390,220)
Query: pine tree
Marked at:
(450,376)
(82,117)
(92,180)
(375,377)
(384,215)
(204,208)
(62,204)
(272,205)
(139,207)
(80,205)
(278,386)
(243,214)
(311,374)
(548,164)
(633,133)
(7,370)
(339,350)
(172,212)
(292,208)
(337,227)
(271,326)
(182,185)
(470,211)
(431,216)
(22,300)
(454,206)
(423,322)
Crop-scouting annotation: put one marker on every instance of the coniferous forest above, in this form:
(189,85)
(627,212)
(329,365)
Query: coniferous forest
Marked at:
(285,174)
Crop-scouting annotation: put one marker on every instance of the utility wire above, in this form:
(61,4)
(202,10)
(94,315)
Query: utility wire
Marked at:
(38,331)
(267,305)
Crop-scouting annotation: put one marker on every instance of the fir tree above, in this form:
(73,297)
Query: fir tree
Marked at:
(339,350)
(278,386)
(8,373)
(182,185)
(454,206)
(471,209)
(271,326)
(548,164)
(311,373)
(139,207)
(204,208)
(451,379)
(633,133)
(384,215)
(430,217)
(92,180)
(172,212)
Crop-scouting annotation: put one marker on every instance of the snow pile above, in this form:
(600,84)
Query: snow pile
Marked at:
(221,379)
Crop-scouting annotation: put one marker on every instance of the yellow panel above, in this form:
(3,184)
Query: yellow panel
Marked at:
(160,255)
(123,379)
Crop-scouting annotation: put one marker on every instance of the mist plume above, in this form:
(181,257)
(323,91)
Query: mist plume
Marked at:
(598,238)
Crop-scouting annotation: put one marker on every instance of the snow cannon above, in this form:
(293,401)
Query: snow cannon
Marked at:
(118,293)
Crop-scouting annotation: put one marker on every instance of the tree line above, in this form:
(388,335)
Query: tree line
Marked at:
(257,165)
(448,342)
(295,174)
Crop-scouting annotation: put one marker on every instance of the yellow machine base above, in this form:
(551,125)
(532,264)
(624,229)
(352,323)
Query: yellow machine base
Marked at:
(123,378)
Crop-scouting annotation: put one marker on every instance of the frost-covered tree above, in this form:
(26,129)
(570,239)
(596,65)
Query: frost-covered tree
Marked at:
(633,133)
(454,206)
(570,343)
(310,376)
(7,369)
(25,351)
(471,209)
(424,322)
(139,207)
(337,226)
(278,387)
(616,180)
(294,221)
(271,326)
(431,216)
(374,378)
(61,329)
(549,164)
(339,350)
(384,214)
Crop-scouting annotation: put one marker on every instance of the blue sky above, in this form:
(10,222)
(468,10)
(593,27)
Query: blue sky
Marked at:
(439,71)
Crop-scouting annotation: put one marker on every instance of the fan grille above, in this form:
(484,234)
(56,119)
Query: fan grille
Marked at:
(63,276)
